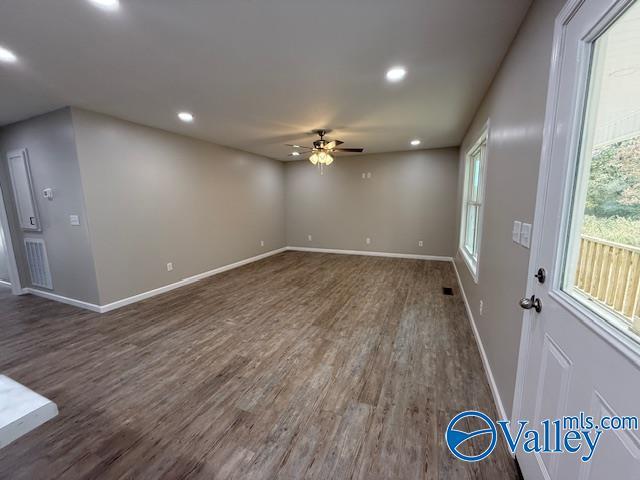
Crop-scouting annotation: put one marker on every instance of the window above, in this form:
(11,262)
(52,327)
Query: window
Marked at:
(471,219)
(602,258)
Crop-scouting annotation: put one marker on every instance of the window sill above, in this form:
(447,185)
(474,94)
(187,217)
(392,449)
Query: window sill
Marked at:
(471,265)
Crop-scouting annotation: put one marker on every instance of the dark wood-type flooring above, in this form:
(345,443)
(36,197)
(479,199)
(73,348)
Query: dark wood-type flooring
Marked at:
(302,365)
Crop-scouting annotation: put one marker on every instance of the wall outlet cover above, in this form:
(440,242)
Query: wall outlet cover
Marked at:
(169,267)
(74,220)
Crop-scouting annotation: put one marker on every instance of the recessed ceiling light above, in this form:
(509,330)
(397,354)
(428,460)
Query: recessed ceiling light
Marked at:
(7,55)
(186,117)
(415,142)
(108,5)
(396,74)
(295,154)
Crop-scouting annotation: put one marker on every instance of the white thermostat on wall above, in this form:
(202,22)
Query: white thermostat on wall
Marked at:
(48,193)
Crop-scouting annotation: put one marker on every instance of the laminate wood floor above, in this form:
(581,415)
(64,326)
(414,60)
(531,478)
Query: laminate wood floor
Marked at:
(302,365)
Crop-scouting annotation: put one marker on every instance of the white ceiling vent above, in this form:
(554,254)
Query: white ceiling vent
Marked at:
(38,263)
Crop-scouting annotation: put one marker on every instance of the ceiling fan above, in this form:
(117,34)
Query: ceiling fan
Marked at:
(322,149)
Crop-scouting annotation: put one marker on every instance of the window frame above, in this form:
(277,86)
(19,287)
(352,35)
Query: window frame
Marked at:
(471,259)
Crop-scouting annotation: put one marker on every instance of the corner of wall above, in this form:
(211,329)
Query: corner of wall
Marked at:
(74,114)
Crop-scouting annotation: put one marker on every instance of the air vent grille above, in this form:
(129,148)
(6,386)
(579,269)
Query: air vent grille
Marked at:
(38,263)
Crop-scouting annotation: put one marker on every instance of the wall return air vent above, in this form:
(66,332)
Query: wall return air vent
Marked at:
(38,263)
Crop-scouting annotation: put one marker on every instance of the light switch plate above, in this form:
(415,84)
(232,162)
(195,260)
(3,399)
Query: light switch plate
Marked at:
(74,220)
(515,233)
(525,235)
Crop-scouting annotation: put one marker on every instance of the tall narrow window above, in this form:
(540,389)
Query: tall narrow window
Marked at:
(471,223)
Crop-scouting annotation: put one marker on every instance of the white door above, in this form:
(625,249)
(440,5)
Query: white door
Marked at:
(581,352)
(23,190)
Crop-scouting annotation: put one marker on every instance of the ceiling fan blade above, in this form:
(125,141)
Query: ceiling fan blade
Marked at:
(349,150)
(296,146)
(300,154)
(333,144)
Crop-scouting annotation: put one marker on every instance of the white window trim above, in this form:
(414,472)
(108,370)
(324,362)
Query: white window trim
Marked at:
(473,265)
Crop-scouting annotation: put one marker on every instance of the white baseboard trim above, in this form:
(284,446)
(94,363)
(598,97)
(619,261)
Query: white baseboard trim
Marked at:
(59,298)
(483,354)
(151,293)
(186,281)
(372,254)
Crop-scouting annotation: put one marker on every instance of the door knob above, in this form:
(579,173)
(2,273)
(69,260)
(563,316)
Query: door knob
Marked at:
(529,303)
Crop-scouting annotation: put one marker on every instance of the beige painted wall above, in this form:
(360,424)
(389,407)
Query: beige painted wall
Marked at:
(515,105)
(49,139)
(155,197)
(411,196)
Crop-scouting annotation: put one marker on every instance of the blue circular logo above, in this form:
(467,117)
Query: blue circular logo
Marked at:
(455,437)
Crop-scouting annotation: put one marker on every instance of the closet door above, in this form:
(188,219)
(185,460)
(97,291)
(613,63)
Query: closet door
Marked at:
(23,190)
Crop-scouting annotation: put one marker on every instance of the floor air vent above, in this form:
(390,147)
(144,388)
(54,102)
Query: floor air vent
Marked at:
(38,263)
(447,290)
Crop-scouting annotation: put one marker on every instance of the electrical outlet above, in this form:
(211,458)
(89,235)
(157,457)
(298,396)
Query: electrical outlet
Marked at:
(420,243)
(481,307)
(364,175)
(74,220)
(309,237)
(368,241)
(169,266)
(262,243)
(368,174)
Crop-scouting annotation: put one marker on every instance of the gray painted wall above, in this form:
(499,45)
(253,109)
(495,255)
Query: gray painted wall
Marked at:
(515,105)
(155,197)
(49,139)
(410,196)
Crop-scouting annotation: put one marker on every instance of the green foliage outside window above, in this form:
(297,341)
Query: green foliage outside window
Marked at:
(613,196)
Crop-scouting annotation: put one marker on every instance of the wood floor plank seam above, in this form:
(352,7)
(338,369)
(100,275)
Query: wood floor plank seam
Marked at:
(300,365)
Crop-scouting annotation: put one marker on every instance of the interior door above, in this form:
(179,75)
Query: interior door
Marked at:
(23,193)
(581,351)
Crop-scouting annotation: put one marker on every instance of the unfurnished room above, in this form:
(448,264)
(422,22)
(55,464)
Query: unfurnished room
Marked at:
(295,239)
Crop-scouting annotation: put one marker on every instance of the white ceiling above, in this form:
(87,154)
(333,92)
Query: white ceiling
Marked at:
(260,73)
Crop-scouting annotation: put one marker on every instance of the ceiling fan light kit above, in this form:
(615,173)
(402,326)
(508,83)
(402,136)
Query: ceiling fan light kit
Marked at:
(321,152)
